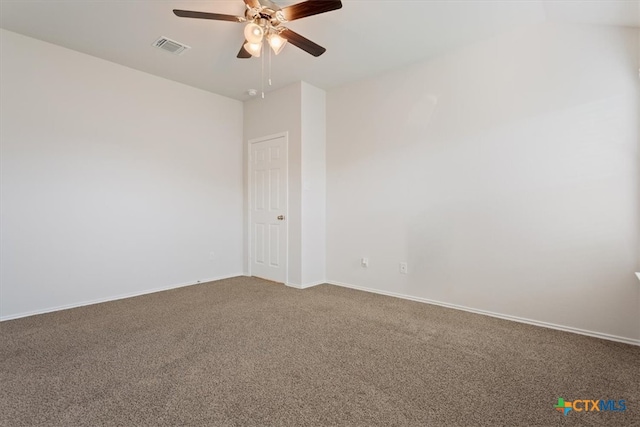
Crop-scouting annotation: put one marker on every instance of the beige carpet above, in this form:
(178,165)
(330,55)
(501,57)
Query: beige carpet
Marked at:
(247,352)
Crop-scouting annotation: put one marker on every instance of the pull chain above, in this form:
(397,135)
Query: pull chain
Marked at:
(262,75)
(269,67)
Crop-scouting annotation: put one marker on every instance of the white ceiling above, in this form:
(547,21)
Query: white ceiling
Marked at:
(364,38)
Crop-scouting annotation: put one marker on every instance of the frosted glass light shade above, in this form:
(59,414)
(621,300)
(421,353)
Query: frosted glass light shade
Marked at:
(253,48)
(253,33)
(276,42)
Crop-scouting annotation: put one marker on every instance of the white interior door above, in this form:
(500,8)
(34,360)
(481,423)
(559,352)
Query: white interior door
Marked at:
(268,208)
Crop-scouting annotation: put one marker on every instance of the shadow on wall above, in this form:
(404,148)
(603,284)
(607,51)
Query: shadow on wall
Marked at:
(505,173)
(535,217)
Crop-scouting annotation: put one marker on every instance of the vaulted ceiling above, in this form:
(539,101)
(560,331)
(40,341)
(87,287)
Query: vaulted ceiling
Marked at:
(364,38)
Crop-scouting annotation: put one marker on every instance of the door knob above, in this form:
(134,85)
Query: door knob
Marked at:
(281,217)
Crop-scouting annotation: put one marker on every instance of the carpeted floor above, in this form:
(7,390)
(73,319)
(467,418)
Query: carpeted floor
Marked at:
(247,352)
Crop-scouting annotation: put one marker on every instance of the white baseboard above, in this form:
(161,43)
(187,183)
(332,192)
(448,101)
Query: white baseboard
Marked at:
(307,285)
(113,298)
(492,314)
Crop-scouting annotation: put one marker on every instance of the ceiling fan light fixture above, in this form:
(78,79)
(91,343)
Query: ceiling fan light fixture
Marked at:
(263,19)
(253,33)
(276,42)
(253,48)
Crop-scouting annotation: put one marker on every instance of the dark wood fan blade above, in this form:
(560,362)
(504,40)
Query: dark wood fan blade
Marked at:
(243,54)
(303,43)
(207,15)
(309,8)
(252,3)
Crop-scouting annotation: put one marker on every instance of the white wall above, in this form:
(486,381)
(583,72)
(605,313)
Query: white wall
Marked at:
(505,174)
(314,194)
(114,182)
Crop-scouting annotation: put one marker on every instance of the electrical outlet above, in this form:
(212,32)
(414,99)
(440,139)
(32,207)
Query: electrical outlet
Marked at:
(404,268)
(212,255)
(364,262)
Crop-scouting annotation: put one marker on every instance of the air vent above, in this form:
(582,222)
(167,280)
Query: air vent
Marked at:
(171,46)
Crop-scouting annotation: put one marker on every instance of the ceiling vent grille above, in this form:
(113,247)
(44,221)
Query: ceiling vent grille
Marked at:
(171,46)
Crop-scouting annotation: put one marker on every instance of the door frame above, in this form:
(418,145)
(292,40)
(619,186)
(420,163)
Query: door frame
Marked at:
(284,135)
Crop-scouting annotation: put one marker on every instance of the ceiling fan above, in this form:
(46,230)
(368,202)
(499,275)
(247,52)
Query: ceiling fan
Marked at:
(265,20)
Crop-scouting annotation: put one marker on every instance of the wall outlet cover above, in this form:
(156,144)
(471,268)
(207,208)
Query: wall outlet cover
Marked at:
(404,268)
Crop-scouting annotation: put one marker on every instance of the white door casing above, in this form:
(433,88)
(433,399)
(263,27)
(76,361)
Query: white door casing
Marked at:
(268,197)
